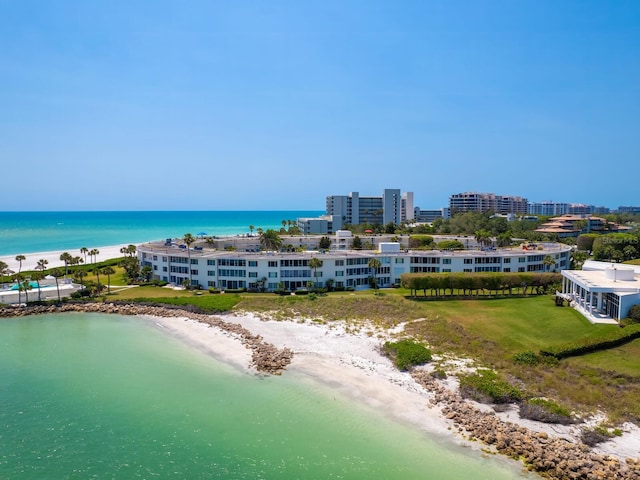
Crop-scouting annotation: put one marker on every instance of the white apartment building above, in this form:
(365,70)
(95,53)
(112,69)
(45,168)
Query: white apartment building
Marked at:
(211,267)
(487,202)
(392,206)
(548,208)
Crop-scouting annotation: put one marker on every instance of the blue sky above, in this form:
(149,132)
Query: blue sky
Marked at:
(216,105)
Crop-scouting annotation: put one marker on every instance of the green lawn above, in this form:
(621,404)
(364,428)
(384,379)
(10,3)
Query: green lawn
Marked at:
(519,324)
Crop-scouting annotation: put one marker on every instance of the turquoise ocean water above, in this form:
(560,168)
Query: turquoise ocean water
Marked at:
(98,396)
(31,232)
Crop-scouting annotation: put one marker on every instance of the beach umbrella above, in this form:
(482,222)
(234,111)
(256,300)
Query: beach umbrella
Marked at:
(202,234)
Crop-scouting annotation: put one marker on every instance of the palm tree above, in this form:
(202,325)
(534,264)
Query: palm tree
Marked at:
(18,278)
(76,260)
(374,264)
(108,271)
(483,237)
(93,253)
(25,286)
(96,270)
(84,251)
(56,272)
(549,262)
(66,258)
(80,274)
(315,264)
(19,259)
(251,228)
(270,240)
(37,276)
(188,239)
(42,264)
(3,268)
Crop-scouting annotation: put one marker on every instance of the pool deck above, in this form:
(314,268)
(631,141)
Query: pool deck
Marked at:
(47,292)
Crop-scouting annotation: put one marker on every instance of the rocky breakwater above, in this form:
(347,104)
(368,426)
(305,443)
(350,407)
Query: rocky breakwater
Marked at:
(266,358)
(553,457)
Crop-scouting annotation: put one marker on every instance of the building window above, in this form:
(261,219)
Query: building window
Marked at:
(194,261)
(253,274)
(446,261)
(339,273)
(339,263)
(506,260)
(211,262)
(164,269)
(194,272)
(522,259)
(253,263)
(468,261)
(273,264)
(273,274)
(211,273)
(399,260)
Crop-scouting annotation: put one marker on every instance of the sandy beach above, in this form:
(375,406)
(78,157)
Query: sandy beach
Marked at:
(351,364)
(106,253)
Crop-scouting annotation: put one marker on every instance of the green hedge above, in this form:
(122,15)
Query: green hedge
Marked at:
(407,353)
(615,338)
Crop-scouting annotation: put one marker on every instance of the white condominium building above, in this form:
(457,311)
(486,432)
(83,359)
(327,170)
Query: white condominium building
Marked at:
(211,267)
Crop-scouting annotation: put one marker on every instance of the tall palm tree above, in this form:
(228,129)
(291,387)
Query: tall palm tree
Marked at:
(25,286)
(374,264)
(84,251)
(93,253)
(549,262)
(19,278)
(19,259)
(97,270)
(56,272)
(108,271)
(66,258)
(315,264)
(251,228)
(188,240)
(37,276)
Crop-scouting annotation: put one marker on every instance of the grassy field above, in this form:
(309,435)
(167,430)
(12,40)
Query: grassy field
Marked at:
(491,331)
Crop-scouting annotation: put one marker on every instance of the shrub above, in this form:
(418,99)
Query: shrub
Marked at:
(485,386)
(546,411)
(634,313)
(214,290)
(407,353)
(526,358)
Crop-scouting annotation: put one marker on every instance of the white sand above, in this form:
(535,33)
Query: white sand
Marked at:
(350,363)
(53,258)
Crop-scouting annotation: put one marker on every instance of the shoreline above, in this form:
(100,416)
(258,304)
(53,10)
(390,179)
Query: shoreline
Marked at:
(352,364)
(53,257)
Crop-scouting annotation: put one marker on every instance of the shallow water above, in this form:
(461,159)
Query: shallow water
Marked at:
(103,396)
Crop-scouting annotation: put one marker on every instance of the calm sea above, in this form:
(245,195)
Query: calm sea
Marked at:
(31,232)
(97,396)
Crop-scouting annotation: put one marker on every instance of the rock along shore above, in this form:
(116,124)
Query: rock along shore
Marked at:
(552,457)
(266,358)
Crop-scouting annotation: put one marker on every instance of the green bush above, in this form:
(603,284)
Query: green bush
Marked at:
(634,313)
(485,386)
(407,353)
(546,411)
(615,338)
(214,290)
(526,358)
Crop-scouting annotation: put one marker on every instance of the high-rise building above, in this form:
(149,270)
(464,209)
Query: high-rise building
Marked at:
(548,208)
(391,207)
(487,202)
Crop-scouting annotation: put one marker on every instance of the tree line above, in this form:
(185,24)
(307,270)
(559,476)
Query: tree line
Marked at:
(471,284)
